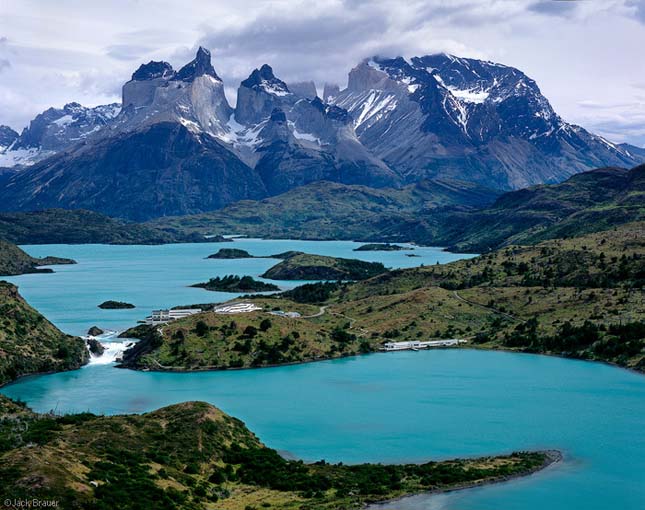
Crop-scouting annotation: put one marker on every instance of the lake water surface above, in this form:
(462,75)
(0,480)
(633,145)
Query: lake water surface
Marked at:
(388,407)
(152,277)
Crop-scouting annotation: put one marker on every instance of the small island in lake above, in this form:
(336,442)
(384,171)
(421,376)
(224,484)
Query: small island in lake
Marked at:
(233,283)
(95,331)
(231,253)
(115,305)
(303,266)
(382,247)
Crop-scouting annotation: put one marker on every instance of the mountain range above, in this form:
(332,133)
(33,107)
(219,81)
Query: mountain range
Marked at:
(176,146)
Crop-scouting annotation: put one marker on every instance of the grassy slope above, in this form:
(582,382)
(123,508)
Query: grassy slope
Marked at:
(54,226)
(520,297)
(29,343)
(193,456)
(326,210)
(533,298)
(15,261)
(303,266)
(585,203)
(228,341)
(434,214)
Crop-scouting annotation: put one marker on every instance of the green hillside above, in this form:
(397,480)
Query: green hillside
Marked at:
(14,261)
(29,343)
(580,297)
(53,226)
(587,202)
(193,456)
(327,210)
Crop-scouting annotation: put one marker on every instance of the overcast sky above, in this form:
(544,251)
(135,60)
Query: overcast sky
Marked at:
(586,56)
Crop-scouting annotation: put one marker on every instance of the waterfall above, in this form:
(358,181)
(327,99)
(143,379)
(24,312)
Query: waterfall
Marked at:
(113,345)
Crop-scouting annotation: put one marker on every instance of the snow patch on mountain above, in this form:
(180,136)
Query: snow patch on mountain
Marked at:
(273,88)
(376,105)
(22,157)
(469,95)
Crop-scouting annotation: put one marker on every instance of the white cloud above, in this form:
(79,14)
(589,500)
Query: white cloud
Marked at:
(577,51)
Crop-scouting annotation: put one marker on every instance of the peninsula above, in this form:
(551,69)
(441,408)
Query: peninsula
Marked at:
(544,298)
(192,455)
(29,343)
(14,261)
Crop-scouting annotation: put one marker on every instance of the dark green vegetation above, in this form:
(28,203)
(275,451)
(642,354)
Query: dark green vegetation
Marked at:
(303,266)
(318,292)
(29,343)
(381,247)
(327,210)
(429,213)
(14,261)
(233,283)
(219,341)
(115,305)
(580,297)
(193,456)
(60,226)
(586,203)
(231,253)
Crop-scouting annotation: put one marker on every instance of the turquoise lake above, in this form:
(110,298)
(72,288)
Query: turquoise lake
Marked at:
(152,277)
(387,407)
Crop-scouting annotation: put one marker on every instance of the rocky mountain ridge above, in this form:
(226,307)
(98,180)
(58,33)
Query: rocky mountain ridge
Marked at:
(179,145)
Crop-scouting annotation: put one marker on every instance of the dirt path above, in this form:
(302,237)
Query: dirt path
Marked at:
(319,313)
(494,310)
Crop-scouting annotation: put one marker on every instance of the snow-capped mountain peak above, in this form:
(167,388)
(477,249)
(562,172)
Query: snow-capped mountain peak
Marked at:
(193,96)
(439,114)
(200,66)
(56,129)
(398,120)
(264,80)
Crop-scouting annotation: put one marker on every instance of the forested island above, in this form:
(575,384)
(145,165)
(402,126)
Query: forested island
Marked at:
(303,266)
(110,304)
(231,253)
(234,283)
(382,247)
